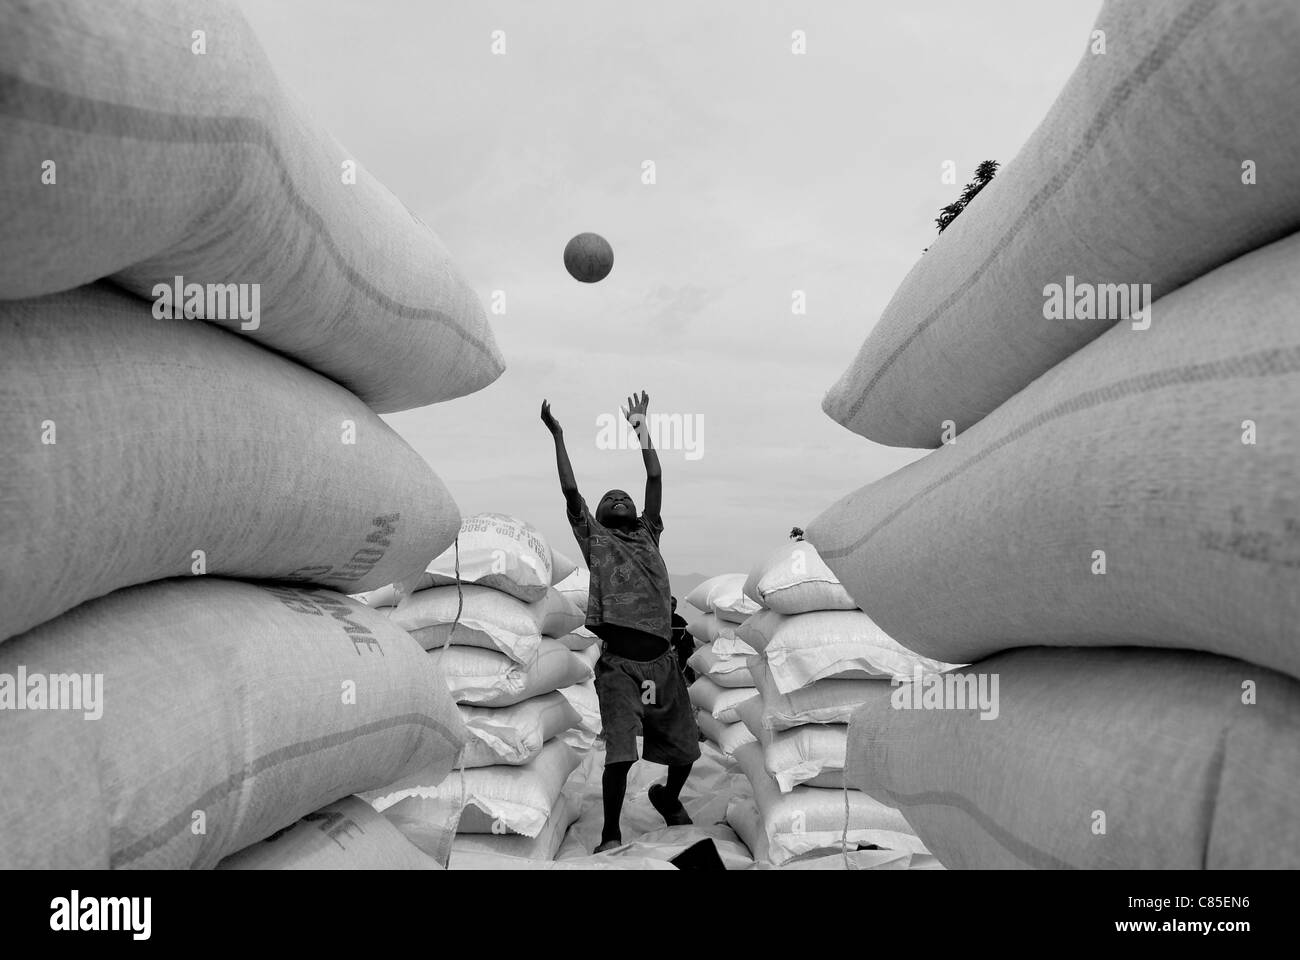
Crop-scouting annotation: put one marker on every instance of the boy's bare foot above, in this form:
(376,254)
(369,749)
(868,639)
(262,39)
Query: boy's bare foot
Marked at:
(675,815)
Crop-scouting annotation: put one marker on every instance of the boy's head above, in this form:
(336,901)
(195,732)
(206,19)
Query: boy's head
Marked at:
(616,509)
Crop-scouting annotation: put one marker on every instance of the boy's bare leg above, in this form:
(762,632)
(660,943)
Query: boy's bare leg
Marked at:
(665,797)
(613,783)
(677,775)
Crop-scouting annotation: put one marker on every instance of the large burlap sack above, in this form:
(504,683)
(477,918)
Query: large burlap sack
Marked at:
(347,835)
(174,163)
(824,701)
(721,635)
(807,647)
(725,736)
(542,847)
(487,678)
(497,551)
(132,444)
(228,712)
(743,817)
(514,735)
(1110,758)
(719,702)
(1134,177)
(1128,458)
(499,799)
(726,671)
(584,699)
(725,596)
(723,642)
(794,579)
(488,618)
(812,818)
(811,754)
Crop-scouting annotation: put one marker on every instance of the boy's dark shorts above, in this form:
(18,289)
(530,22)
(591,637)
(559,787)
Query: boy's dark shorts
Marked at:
(667,722)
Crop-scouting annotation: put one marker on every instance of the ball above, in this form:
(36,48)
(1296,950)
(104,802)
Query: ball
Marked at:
(588,257)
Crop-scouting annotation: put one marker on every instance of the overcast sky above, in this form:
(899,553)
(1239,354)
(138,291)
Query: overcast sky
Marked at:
(775,173)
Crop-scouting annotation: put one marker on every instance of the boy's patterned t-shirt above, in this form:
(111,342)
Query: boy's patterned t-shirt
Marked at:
(629,579)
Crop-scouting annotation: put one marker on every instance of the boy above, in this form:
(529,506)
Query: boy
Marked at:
(638,680)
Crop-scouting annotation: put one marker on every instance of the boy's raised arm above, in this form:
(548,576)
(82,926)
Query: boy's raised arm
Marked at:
(654,488)
(568,485)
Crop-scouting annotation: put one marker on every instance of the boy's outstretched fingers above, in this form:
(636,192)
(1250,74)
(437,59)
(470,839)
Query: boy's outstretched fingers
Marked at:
(547,417)
(637,405)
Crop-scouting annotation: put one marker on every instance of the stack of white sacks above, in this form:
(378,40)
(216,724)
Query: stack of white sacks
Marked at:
(818,657)
(575,588)
(195,344)
(721,659)
(521,673)
(1108,525)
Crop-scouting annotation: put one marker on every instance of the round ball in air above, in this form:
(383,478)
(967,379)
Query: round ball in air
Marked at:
(588,257)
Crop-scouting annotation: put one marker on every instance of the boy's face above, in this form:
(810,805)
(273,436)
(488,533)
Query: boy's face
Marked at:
(616,509)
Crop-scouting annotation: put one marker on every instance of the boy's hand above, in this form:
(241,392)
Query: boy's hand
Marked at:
(636,408)
(636,415)
(552,424)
